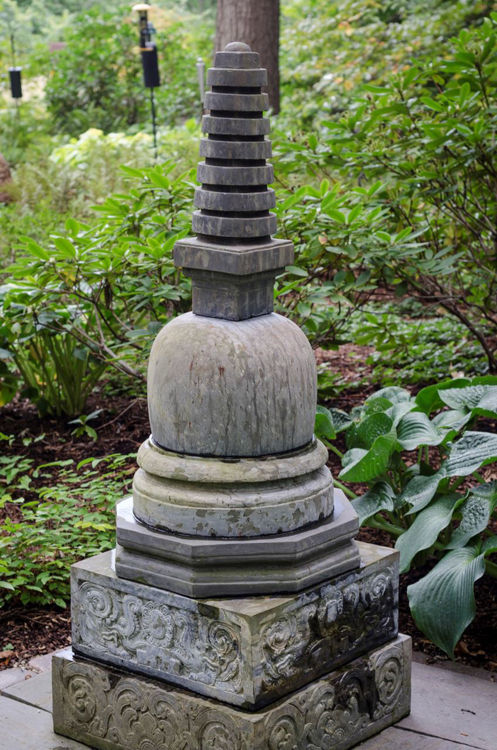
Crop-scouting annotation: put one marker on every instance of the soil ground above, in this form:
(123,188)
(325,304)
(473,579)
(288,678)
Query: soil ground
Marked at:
(121,427)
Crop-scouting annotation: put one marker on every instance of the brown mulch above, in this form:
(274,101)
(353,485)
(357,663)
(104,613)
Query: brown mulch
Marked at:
(122,426)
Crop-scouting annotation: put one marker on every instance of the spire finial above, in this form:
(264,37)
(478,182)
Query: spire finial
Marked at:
(233,259)
(234,199)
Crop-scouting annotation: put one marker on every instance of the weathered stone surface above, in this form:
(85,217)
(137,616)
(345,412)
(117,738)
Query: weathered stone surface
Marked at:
(215,149)
(210,174)
(108,710)
(234,226)
(221,101)
(229,508)
(217,295)
(243,126)
(237,77)
(236,57)
(214,200)
(245,651)
(221,394)
(233,199)
(238,259)
(210,566)
(186,468)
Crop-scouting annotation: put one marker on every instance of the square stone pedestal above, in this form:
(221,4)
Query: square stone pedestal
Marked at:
(246,651)
(111,710)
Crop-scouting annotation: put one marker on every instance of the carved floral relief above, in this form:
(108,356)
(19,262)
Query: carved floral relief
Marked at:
(141,715)
(160,636)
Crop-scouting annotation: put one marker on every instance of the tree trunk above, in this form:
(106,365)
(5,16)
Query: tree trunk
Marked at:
(255,22)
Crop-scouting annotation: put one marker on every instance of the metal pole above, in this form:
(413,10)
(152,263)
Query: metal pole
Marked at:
(154,121)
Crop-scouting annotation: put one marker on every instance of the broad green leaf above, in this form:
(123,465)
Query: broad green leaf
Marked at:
(373,405)
(371,428)
(341,419)
(65,247)
(443,603)
(323,424)
(379,497)
(428,399)
(415,429)
(451,421)
(425,529)
(478,399)
(420,491)
(473,450)
(475,514)
(361,465)
(397,411)
(392,393)
(489,545)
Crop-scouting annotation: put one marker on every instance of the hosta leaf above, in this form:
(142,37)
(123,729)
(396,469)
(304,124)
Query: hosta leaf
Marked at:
(323,424)
(443,603)
(428,399)
(420,491)
(392,393)
(415,429)
(489,545)
(379,497)
(341,419)
(397,411)
(425,529)
(476,399)
(473,450)
(361,465)
(451,421)
(371,428)
(475,514)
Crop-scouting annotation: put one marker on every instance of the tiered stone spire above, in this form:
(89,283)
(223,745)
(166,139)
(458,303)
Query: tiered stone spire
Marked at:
(233,220)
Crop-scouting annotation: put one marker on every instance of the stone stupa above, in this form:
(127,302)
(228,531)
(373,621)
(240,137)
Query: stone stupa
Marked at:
(237,611)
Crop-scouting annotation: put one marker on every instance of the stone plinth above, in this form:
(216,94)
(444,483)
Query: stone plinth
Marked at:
(245,651)
(112,710)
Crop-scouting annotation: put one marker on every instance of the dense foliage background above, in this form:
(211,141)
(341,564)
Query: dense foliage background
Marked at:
(386,175)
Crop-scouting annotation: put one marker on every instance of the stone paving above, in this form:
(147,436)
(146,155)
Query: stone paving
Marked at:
(451,710)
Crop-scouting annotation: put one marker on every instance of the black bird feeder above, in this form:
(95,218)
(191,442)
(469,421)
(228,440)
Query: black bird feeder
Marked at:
(150,62)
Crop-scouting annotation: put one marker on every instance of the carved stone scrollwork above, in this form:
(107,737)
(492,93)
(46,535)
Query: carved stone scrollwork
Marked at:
(216,731)
(103,708)
(285,729)
(176,641)
(281,640)
(345,618)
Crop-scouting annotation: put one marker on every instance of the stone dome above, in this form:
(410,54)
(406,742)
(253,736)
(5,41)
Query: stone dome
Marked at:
(223,388)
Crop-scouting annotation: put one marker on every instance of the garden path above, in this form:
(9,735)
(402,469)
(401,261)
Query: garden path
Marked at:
(452,709)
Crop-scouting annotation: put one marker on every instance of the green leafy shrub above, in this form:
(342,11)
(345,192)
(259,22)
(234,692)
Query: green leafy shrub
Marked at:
(340,247)
(95,297)
(71,517)
(57,369)
(329,51)
(106,92)
(425,469)
(429,136)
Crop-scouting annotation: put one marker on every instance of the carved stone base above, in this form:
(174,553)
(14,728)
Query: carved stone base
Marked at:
(112,710)
(246,651)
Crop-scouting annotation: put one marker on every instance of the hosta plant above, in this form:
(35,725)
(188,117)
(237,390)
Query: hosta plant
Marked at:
(430,484)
